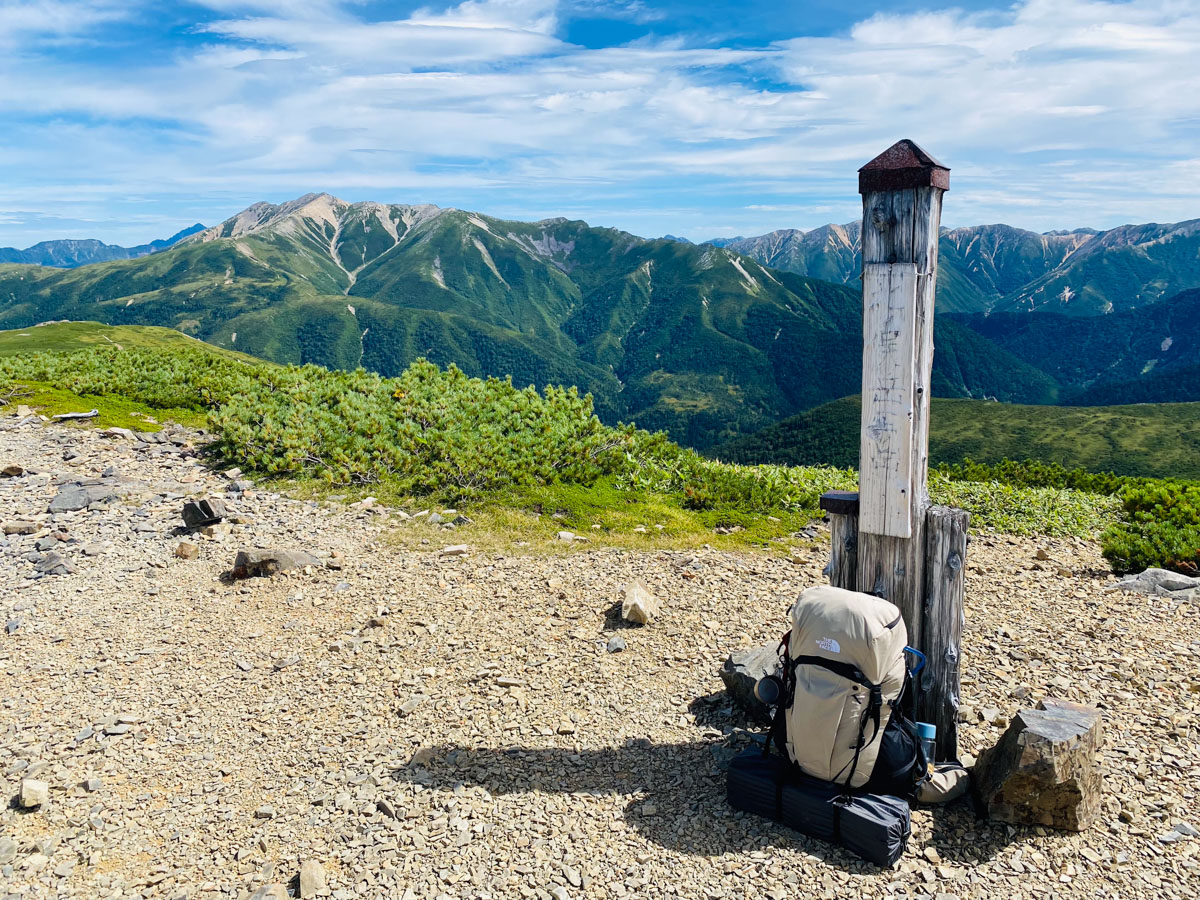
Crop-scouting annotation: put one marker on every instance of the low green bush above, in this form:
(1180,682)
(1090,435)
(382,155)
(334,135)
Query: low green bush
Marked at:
(434,432)
(1161,528)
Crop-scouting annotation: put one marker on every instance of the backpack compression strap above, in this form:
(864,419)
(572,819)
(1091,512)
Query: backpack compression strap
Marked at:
(872,713)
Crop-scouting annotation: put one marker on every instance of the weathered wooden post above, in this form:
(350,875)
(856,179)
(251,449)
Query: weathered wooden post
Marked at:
(902,210)
(902,202)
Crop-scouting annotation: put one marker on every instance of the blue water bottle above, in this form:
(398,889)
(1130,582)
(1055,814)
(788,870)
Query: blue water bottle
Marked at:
(927,735)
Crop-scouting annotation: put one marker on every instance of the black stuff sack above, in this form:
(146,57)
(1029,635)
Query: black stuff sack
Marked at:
(874,827)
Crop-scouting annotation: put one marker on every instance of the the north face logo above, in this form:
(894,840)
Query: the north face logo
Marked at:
(829,645)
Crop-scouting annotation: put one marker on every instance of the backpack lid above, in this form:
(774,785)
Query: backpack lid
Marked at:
(925,730)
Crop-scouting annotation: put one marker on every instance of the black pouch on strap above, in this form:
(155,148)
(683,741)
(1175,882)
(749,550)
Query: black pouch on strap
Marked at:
(874,827)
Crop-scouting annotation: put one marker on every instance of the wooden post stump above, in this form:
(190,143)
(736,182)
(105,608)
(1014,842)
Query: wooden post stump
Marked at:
(842,509)
(945,580)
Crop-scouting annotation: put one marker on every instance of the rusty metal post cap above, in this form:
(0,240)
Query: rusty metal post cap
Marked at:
(903,165)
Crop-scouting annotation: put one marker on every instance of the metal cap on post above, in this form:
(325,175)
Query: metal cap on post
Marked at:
(901,166)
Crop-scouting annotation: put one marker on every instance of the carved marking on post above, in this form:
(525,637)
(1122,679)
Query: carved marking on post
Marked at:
(889,364)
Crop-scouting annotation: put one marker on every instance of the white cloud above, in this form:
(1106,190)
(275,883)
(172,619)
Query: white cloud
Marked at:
(485,99)
(55,19)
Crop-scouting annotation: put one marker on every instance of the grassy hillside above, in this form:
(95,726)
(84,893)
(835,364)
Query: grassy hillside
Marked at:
(66,336)
(1157,441)
(697,341)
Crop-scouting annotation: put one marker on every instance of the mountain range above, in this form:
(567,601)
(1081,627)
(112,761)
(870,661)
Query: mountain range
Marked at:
(68,254)
(705,342)
(985,268)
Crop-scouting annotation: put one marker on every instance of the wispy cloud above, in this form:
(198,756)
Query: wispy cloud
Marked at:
(1051,112)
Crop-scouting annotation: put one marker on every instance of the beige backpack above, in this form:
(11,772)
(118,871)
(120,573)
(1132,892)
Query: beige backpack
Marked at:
(844,669)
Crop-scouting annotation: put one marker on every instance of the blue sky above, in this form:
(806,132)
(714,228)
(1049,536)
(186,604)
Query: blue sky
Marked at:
(127,119)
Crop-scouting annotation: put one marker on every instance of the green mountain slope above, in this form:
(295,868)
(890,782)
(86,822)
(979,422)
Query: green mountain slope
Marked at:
(695,340)
(1158,440)
(66,336)
(977,265)
(1125,348)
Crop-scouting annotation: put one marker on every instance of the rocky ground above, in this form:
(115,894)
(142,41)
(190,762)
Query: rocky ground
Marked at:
(415,724)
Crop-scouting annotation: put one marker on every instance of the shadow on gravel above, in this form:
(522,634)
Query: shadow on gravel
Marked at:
(679,796)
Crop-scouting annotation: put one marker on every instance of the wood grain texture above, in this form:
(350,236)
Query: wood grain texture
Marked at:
(941,640)
(842,568)
(902,227)
(889,359)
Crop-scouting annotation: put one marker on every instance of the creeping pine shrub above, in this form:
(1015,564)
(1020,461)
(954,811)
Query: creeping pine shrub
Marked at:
(1161,522)
(179,379)
(1161,528)
(426,430)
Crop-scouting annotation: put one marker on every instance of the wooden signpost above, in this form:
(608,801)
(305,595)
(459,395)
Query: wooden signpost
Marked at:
(888,540)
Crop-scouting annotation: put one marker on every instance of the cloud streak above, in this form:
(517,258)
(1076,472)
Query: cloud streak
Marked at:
(1051,114)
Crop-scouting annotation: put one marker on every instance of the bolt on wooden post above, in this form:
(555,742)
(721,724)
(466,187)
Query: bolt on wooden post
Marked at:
(887,527)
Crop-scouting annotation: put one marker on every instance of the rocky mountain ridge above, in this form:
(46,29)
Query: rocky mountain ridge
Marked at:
(70,253)
(998,267)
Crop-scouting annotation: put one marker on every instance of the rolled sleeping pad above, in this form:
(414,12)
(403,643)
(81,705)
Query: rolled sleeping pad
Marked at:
(875,827)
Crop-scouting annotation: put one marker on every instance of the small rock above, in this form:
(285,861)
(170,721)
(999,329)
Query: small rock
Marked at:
(410,705)
(1042,554)
(187,550)
(199,513)
(1187,830)
(565,727)
(1044,771)
(33,793)
(274,891)
(422,757)
(12,626)
(12,471)
(54,563)
(639,606)
(265,812)
(743,670)
(456,550)
(312,879)
(263,563)
(558,892)
(93,784)
(8,850)
(1064,572)
(20,526)
(567,536)
(616,644)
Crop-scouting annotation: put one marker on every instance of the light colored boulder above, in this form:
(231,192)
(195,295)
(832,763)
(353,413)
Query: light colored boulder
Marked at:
(33,793)
(312,879)
(640,606)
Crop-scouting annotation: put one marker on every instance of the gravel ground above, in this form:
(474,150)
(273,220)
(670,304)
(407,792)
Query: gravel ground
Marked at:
(424,725)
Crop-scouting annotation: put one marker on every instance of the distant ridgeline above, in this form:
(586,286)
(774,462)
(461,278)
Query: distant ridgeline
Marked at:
(707,343)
